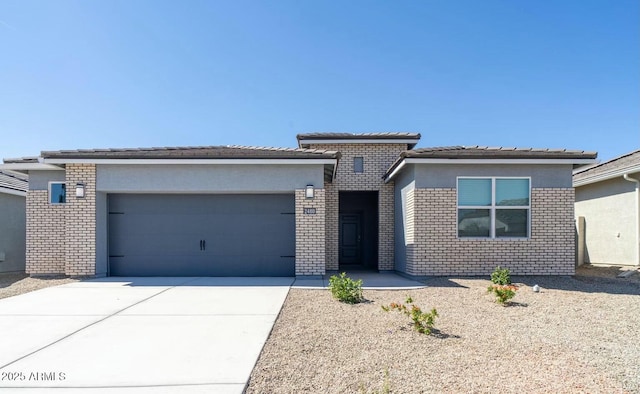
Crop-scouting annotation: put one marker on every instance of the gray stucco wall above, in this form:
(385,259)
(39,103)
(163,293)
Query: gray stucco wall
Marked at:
(208,178)
(39,180)
(403,183)
(610,221)
(12,232)
(444,175)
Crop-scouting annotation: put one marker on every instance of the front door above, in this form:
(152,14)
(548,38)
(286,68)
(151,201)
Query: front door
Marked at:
(351,238)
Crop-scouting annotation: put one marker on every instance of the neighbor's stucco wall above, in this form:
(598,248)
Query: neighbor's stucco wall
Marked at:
(207,178)
(610,221)
(12,232)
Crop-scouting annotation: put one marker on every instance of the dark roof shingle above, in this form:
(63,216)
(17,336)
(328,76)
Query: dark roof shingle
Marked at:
(200,152)
(14,181)
(485,152)
(356,136)
(626,161)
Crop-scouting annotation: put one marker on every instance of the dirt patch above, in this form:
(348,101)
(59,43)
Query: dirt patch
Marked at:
(16,284)
(579,334)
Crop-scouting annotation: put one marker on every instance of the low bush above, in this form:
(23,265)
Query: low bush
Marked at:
(501,276)
(503,293)
(346,289)
(422,321)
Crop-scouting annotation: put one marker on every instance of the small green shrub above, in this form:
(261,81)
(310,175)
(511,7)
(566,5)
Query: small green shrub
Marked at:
(422,321)
(346,289)
(503,293)
(501,276)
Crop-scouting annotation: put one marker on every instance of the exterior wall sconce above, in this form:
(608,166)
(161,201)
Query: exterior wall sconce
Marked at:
(309,192)
(80,190)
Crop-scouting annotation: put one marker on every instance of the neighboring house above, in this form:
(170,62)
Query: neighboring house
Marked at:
(607,196)
(13,192)
(339,201)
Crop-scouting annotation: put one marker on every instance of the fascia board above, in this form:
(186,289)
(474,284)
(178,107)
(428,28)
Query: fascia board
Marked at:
(6,190)
(194,161)
(359,141)
(416,160)
(30,167)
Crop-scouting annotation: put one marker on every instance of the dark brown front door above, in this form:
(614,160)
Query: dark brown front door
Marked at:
(350,238)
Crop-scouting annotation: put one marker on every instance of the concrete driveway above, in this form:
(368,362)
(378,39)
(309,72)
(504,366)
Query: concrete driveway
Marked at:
(182,335)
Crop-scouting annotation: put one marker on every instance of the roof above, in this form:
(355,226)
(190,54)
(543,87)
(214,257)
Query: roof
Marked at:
(14,181)
(485,152)
(198,152)
(452,153)
(21,160)
(627,163)
(411,139)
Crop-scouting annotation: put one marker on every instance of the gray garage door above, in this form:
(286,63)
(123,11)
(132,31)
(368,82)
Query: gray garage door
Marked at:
(201,235)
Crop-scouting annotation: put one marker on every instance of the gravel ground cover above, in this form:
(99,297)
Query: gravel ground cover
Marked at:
(15,284)
(578,335)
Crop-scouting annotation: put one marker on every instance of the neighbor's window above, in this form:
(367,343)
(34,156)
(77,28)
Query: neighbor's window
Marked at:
(494,207)
(358,164)
(57,193)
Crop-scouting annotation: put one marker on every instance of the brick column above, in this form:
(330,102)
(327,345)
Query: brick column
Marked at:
(386,237)
(332,231)
(80,245)
(310,234)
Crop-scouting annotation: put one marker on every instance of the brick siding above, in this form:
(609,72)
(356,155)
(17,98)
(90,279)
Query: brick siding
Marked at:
(436,249)
(45,235)
(80,246)
(377,158)
(310,231)
(61,237)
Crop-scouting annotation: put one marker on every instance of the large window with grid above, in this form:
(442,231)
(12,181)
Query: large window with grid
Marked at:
(494,207)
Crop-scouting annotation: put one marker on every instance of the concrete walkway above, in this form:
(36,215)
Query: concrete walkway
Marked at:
(160,335)
(370,281)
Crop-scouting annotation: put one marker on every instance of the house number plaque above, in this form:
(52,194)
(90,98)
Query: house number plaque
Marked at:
(309,211)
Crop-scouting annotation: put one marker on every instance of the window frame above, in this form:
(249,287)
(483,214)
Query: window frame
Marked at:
(359,167)
(492,208)
(51,183)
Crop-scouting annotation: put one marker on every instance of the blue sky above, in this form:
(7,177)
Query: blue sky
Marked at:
(133,73)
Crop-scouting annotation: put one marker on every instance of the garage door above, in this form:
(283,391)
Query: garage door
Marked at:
(201,235)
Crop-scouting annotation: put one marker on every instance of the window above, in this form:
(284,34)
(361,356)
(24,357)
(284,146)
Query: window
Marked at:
(358,164)
(493,207)
(57,192)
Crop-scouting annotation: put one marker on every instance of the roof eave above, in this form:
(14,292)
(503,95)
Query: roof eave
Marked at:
(15,192)
(407,159)
(305,143)
(603,176)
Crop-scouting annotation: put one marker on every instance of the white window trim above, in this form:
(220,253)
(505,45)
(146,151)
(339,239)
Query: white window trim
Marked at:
(493,207)
(49,192)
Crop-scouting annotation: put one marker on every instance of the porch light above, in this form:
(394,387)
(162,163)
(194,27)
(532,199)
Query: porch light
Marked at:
(79,190)
(308,193)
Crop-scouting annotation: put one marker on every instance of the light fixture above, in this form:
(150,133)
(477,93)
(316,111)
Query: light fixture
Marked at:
(308,193)
(79,190)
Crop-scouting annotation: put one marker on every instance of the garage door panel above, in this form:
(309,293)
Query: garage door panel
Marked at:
(244,235)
